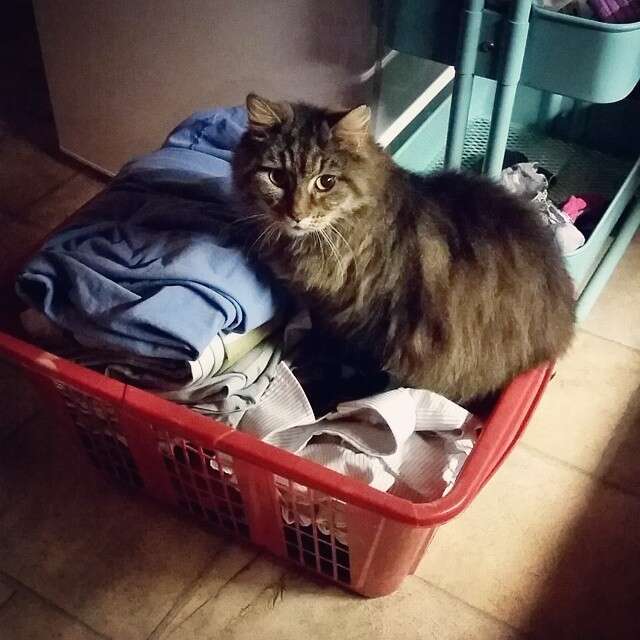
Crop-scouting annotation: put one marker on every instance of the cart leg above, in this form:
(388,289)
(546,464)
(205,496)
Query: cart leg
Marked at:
(579,120)
(550,109)
(515,42)
(463,82)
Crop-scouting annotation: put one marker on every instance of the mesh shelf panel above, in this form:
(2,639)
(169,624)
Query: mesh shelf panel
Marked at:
(578,169)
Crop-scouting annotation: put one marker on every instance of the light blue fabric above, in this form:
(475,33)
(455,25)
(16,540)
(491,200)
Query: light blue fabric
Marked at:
(195,159)
(146,269)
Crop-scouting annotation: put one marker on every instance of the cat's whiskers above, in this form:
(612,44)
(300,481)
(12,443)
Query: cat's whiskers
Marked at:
(247,219)
(316,236)
(333,248)
(353,253)
(265,233)
(273,234)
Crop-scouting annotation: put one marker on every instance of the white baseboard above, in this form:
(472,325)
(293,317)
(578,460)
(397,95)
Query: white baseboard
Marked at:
(93,165)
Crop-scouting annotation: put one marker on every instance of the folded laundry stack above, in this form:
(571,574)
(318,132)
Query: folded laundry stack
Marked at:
(231,364)
(145,285)
(151,273)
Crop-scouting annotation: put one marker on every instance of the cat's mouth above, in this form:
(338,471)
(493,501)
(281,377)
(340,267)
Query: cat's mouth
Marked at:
(296,232)
(297,228)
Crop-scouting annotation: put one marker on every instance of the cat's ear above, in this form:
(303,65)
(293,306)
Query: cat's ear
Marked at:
(353,127)
(265,114)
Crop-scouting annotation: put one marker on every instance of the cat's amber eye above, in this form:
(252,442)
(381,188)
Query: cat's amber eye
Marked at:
(278,177)
(325,182)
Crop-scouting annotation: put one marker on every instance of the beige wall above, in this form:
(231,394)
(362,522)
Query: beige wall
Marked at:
(122,73)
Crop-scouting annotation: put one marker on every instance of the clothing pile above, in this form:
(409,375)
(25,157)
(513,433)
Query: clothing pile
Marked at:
(615,11)
(147,286)
(573,221)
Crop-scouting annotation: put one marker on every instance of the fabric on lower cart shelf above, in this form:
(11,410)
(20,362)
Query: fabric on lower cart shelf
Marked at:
(574,207)
(586,211)
(525,180)
(513,157)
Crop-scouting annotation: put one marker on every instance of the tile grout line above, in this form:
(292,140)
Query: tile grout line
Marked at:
(593,334)
(180,602)
(482,612)
(222,588)
(18,585)
(239,572)
(188,591)
(592,476)
(247,607)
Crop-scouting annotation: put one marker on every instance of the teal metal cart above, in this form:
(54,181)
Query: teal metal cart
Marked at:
(550,85)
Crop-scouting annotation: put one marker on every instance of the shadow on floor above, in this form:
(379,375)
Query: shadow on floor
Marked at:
(594,591)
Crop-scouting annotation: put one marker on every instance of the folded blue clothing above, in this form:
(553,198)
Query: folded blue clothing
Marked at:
(195,160)
(147,270)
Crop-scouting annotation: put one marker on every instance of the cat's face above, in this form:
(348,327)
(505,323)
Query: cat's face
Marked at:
(300,167)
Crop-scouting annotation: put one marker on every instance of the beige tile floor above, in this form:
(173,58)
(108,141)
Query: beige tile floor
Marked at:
(550,548)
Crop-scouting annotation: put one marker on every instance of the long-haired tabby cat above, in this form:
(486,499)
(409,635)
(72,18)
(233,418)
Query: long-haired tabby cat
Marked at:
(446,281)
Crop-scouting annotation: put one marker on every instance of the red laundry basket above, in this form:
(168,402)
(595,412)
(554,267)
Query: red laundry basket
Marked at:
(370,540)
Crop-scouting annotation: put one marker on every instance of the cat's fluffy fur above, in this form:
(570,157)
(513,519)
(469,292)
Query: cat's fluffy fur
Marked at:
(446,281)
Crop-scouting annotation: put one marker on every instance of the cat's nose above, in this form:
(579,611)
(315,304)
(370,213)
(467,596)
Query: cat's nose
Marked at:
(296,216)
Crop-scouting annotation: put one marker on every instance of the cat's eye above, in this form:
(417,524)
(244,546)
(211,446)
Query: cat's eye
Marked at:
(325,182)
(278,177)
